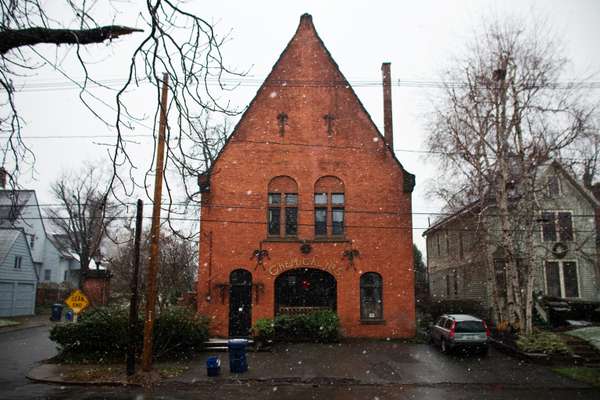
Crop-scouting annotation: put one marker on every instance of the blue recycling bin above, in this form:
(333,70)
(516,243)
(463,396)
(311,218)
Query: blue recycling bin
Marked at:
(69,316)
(238,363)
(56,312)
(213,366)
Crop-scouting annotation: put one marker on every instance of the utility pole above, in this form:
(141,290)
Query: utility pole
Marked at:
(155,232)
(133,305)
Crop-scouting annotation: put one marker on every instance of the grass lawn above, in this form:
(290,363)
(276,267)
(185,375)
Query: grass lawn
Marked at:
(581,374)
(7,322)
(590,334)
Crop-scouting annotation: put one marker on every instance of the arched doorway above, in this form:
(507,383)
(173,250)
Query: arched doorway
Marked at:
(240,303)
(303,290)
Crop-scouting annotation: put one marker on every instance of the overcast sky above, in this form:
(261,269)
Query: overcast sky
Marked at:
(419,38)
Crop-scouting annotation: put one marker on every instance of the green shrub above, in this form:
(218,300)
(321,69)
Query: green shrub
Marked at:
(264,329)
(102,333)
(320,326)
(179,332)
(542,342)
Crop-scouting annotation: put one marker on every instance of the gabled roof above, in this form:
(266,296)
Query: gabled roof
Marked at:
(8,237)
(306,26)
(62,246)
(587,194)
(12,203)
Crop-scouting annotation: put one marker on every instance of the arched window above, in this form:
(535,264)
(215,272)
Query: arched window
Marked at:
(371,297)
(329,206)
(283,207)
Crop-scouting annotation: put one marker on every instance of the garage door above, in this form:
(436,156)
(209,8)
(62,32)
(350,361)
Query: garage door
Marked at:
(16,299)
(6,298)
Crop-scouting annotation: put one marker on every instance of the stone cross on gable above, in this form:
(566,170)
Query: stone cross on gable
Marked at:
(282,118)
(329,118)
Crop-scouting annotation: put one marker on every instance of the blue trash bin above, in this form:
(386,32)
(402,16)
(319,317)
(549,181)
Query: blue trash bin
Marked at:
(56,312)
(213,366)
(69,316)
(237,356)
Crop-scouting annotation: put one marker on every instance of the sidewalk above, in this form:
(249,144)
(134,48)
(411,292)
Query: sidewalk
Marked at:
(362,363)
(26,322)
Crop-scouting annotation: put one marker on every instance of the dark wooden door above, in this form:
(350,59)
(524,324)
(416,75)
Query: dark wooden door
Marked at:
(240,303)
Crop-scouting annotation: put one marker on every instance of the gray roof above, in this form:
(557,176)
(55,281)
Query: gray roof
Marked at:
(7,239)
(12,203)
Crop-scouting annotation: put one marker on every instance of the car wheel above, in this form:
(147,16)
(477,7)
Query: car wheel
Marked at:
(444,346)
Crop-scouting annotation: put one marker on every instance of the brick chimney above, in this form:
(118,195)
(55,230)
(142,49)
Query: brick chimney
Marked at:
(388,127)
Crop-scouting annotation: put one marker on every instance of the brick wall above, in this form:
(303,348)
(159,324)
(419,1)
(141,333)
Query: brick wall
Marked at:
(306,85)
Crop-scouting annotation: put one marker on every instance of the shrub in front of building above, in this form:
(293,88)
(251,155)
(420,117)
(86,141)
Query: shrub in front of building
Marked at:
(102,335)
(320,326)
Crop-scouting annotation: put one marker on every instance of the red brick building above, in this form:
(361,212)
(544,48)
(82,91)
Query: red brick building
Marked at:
(307,207)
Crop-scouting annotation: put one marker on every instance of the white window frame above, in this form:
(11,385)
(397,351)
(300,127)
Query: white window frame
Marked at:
(556,225)
(561,277)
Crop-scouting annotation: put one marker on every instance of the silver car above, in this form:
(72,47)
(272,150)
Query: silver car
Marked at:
(460,331)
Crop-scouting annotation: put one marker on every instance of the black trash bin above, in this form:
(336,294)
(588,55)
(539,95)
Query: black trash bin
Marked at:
(237,356)
(56,312)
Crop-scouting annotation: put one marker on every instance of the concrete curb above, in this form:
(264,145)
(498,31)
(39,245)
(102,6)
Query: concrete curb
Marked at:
(49,373)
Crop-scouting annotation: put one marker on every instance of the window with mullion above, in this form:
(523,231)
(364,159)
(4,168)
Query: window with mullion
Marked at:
(557,226)
(286,208)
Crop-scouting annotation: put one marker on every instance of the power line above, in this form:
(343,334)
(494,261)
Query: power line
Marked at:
(143,135)
(251,222)
(255,82)
(265,207)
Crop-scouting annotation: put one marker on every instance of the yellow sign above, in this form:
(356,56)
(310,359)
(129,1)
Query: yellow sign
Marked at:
(77,301)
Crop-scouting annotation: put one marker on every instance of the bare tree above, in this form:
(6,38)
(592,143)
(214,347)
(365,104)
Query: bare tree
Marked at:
(583,158)
(177,268)
(175,42)
(502,115)
(84,213)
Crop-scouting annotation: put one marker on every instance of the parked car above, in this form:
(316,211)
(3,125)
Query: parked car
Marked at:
(460,331)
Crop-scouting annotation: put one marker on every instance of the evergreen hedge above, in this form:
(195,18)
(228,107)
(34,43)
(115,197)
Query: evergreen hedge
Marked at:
(102,334)
(319,326)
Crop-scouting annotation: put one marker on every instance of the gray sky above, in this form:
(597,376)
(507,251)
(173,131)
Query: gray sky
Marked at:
(418,38)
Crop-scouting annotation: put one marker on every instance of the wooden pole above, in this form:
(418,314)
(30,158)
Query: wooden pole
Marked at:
(133,305)
(155,233)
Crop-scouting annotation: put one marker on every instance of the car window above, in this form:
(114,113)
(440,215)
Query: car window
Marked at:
(469,326)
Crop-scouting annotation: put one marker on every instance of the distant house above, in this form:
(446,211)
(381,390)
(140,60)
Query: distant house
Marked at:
(566,251)
(17,274)
(66,261)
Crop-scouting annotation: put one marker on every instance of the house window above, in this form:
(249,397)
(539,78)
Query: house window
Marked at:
(447,243)
(557,226)
(18,261)
(47,274)
(562,279)
(437,239)
(282,214)
(553,186)
(329,207)
(66,276)
(461,249)
(371,297)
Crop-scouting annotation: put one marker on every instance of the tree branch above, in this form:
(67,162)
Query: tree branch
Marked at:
(12,39)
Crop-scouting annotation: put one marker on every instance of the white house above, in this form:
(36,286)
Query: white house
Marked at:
(52,260)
